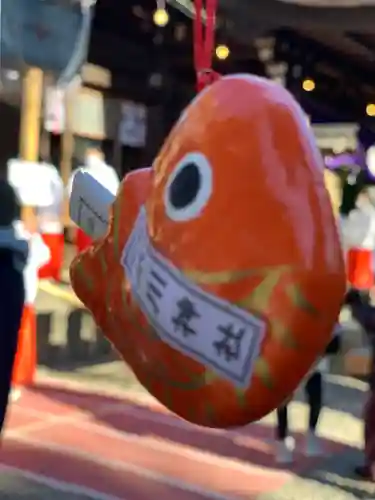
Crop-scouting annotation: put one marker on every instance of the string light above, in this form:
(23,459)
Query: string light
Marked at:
(161,17)
(308,85)
(222,52)
(370,110)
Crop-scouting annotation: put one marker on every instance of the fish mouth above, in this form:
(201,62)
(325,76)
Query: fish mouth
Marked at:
(208,329)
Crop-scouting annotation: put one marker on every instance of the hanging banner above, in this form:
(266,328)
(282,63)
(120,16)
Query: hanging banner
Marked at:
(133,125)
(54,110)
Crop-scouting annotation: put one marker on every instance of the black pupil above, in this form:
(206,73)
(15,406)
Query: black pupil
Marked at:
(185,186)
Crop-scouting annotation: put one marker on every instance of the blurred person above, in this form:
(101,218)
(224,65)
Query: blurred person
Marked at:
(26,357)
(50,223)
(32,189)
(364,312)
(106,175)
(313,384)
(13,257)
(314,391)
(359,238)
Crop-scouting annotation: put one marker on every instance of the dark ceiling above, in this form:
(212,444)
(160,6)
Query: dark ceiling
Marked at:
(125,40)
(342,66)
(254,16)
(333,46)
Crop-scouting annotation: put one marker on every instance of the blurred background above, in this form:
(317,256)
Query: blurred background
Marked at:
(114,76)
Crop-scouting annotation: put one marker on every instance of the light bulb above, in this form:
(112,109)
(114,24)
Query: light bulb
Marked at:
(161,17)
(308,85)
(222,52)
(370,109)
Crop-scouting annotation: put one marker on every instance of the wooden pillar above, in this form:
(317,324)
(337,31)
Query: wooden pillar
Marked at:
(67,142)
(67,147)
(32,94)
(31,111)
(117,145)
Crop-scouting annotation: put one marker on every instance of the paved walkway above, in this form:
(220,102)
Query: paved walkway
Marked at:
(17,485)
(91,433)
(72,438)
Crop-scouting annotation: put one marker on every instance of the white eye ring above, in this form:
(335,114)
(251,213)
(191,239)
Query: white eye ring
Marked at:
(193,207)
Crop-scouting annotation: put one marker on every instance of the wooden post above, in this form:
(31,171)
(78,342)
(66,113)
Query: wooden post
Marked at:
(45,133)
(67,147)
(25,362)
(117,145)
(67,142)
(32,93)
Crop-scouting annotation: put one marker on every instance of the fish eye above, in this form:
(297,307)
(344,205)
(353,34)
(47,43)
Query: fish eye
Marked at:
(189,188)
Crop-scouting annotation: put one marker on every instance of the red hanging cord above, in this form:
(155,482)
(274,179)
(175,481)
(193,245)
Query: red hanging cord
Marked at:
(204,39)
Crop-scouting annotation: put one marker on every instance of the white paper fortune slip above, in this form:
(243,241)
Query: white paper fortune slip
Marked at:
(89,204)
(210,330)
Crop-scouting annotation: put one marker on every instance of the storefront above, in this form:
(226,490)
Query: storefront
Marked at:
(86,116)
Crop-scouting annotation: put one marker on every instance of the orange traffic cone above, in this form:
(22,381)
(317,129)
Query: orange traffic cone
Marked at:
(24,368)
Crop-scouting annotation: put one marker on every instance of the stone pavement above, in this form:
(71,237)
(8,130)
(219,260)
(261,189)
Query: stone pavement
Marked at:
(14,486)
(330,478)
(67,334)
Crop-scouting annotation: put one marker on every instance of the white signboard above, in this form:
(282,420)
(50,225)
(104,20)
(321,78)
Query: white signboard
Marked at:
(54,110)
(133,125)
(89,204)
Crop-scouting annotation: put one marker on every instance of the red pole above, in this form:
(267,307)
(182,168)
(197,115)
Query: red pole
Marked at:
(204,39)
